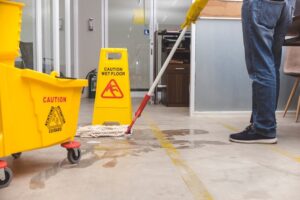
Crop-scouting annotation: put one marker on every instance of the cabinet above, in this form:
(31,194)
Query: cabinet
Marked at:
(176,80)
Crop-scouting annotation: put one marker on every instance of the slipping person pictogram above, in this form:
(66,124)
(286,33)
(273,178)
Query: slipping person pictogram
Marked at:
(112,91)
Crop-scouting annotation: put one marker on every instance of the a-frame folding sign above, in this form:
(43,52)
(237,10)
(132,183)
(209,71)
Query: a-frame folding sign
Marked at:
(113,101)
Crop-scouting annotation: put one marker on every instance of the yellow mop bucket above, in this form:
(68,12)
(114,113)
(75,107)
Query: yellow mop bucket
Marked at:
(36,111)
(10,23)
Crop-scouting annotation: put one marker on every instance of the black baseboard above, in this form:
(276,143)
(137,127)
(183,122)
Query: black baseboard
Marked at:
(139,90)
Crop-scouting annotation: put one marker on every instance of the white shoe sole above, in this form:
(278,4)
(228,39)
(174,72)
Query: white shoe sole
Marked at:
(262,141)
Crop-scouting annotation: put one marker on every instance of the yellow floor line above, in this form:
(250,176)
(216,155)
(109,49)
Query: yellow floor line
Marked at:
(229,127)
(275,149)
(190,178)
(285,153)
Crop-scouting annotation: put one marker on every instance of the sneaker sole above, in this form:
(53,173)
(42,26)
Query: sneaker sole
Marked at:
(262,141)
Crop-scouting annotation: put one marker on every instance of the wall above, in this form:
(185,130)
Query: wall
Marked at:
(222,83)
(89,41)
(216,8)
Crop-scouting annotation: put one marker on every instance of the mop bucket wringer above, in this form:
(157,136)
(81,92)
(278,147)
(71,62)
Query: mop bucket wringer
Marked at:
(10,23)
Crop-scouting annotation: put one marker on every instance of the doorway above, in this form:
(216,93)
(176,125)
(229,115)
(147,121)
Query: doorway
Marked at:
(128,26)
(134,25)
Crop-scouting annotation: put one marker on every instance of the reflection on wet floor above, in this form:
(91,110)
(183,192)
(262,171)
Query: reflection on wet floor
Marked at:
(111,149)
(178,139)
(184,132)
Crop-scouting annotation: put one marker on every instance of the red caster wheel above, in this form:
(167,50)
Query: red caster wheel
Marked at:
(74,153)
(74,156)
(8,175)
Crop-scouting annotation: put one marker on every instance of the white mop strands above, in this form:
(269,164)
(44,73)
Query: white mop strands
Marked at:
(97,131)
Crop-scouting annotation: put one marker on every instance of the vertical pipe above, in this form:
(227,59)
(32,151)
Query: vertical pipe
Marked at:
(152,32)
(76,38)
(104,23)
(68,37)
(39,36)
(193,69)
(55,28)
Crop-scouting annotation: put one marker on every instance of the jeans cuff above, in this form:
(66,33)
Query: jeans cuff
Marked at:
(270,134)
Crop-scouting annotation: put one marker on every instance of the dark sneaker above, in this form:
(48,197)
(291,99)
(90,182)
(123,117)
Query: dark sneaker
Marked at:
(248,136)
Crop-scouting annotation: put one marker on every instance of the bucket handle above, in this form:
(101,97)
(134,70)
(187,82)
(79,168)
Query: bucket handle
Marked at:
(69,78)
(55,75)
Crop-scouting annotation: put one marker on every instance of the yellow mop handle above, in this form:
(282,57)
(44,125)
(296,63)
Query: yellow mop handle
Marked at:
(194,12)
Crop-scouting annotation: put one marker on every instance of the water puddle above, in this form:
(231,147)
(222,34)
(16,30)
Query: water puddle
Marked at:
(107,152)
(184,132)
(189,138)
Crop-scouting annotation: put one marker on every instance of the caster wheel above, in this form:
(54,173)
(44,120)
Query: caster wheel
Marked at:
(8,177)
(16,155)
(74,156)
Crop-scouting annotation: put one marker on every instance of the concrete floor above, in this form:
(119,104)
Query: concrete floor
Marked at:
(169,156)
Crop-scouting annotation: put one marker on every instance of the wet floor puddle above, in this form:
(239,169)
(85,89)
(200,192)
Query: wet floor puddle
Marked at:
(180,141)
(110,150)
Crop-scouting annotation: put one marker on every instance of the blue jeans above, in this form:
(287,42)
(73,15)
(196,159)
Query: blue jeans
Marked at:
(265,23)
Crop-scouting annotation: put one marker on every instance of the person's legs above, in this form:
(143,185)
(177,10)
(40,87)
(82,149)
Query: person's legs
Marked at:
(278,40)
(261,20)
(279,35)
(264,15)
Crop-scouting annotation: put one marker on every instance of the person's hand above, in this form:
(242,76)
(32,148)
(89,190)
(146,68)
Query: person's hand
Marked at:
(194,12)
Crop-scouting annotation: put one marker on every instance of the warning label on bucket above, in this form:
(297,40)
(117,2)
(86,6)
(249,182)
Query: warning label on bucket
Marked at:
(55,120)
(54,99)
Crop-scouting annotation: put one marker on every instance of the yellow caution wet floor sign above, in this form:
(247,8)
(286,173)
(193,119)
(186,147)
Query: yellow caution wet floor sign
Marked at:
(113,101)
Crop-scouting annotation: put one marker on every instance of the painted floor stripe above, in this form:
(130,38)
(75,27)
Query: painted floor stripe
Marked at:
(285,153)
(229,127)
(190,178)
(274,148)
